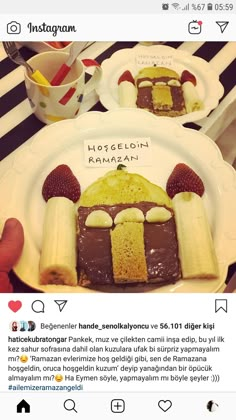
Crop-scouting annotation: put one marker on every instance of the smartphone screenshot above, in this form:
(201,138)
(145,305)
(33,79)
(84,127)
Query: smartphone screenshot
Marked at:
(118,211)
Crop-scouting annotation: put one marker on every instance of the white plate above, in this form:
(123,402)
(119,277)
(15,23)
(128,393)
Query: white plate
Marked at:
(209,88)
(21,183)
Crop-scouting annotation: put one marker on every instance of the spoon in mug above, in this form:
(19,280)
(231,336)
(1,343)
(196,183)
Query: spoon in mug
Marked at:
(75,50)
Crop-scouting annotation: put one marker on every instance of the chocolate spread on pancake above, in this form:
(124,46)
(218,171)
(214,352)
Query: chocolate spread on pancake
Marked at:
(94,247)
(177,97)
(144,97)
(161,249)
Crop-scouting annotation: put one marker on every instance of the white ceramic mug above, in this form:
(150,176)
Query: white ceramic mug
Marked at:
(56,103)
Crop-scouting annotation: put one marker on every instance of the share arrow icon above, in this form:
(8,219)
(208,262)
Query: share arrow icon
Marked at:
(222,25)
(61,304)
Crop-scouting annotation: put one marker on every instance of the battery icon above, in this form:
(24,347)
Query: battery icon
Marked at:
(209,6)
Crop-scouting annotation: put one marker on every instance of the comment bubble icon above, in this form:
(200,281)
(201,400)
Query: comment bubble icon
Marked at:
(38,306)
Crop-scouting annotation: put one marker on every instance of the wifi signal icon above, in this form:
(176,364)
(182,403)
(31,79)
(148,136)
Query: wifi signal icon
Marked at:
(175,5)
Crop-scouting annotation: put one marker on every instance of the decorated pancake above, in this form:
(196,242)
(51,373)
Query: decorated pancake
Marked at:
(127,230)
(160,90)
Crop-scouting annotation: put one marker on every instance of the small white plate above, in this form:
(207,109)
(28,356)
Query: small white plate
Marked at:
(40,47)
(209,88)
(62,142)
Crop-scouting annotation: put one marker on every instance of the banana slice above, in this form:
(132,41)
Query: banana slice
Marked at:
(196,248)
(145,83)
(58,257)
(127,95)
(99,218)
(158,214)
(131,214)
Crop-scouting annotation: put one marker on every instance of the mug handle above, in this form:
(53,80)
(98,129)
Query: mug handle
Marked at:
(93,82)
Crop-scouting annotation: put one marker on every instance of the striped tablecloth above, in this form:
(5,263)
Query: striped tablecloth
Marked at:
(18,124)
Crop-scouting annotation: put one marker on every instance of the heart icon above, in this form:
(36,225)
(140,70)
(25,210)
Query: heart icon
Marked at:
(164,405)
(14,305)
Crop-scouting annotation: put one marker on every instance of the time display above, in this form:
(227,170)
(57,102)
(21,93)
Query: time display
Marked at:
(221,6)
(227,7)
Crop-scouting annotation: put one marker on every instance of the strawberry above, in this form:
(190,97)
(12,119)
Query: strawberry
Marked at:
(61,182)
(183,178)
(126,77)
(88,62)
(56,44)
(186,76)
